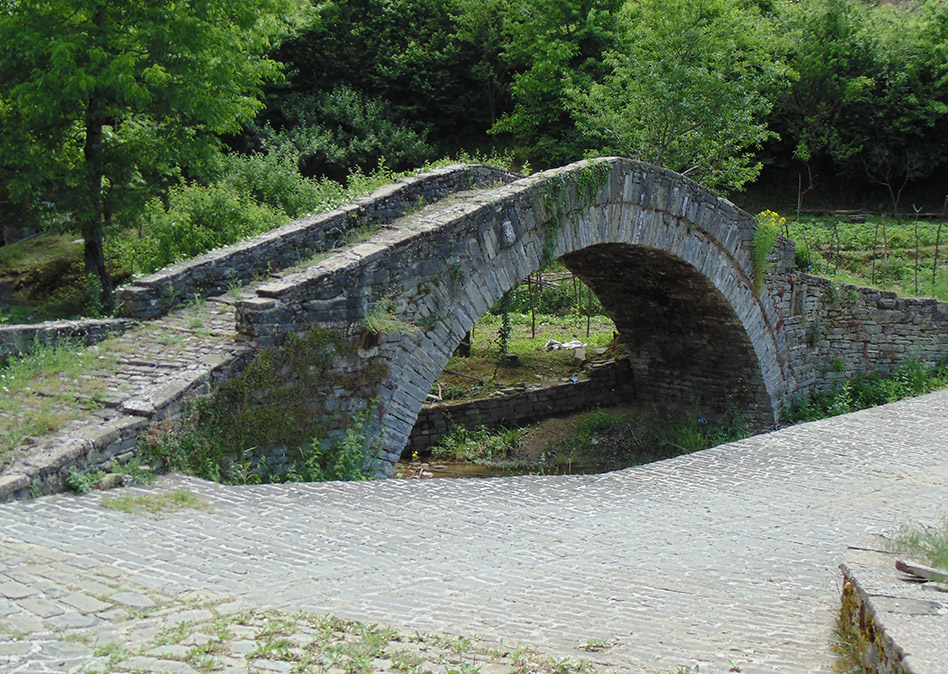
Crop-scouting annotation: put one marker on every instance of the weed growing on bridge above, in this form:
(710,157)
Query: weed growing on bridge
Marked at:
(81,482)
(42,389)
(278,401)
(769,226)
(383,320)
(556,199)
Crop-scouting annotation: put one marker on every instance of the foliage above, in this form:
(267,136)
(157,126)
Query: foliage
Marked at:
(82,482)
(201,447)
(867,390)
(560,294)
(769,227)
(197,218)
(552,48)
(383,320)
(609,438)
(157,504)
(930,542)
(40,390)
(250,195)
(333,132)
(687,89)
(348,459)
(102,102)
(871,95)
(479,445)
(859,253)
(407,56)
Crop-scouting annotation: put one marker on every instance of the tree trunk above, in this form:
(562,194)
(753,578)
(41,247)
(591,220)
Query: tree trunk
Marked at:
(93,223)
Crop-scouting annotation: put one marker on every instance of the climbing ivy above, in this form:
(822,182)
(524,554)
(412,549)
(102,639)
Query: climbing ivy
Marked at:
(556,199)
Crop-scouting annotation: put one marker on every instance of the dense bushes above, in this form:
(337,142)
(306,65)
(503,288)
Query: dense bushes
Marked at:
(336,131)
(252,194)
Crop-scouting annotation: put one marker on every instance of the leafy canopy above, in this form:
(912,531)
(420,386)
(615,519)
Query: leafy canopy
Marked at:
(687,89)
(103,101)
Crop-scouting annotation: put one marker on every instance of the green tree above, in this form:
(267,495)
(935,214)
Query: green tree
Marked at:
(553,47)
(688,89)
(871,98)
(401,54)
(334,132)
(103,101)
(907,134)
(480,26)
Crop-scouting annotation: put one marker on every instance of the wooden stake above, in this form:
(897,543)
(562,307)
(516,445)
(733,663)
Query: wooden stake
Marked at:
(885,255)
(589,307)
(935,263)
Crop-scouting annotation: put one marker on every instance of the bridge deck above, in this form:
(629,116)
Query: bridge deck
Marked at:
(724,556)
(148,369)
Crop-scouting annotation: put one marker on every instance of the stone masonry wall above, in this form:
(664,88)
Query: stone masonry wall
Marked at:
(894,626)
(608,383)
(216,271)
(836,330)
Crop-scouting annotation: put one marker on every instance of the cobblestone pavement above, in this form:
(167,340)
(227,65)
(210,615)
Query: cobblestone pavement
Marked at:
(725,558)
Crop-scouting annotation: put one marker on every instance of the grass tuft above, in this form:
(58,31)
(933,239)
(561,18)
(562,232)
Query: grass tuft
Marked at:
(155,505)
(928,542)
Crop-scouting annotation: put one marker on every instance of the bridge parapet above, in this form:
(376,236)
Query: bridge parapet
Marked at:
(214,272)
(428,248)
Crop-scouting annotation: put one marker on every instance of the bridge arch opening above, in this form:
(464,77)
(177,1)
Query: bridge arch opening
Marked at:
(681,350)
(685,342)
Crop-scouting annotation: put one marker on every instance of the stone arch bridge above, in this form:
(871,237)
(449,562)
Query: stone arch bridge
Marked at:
(670,261)
(353,338)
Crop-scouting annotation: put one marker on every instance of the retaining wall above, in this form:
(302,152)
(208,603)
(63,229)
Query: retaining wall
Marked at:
(608,383)
(837,330)
(894,626)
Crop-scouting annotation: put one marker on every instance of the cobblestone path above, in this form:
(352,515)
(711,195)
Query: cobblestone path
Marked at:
(725,558)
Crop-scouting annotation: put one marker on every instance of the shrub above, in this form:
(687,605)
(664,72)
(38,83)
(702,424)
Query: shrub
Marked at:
(197,218)
(867,390)
(929,542)
(273,179)
(769,226)
(478,445)
(333,132)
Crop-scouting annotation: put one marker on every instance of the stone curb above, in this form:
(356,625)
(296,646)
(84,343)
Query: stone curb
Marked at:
(897,627)
(19,339)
